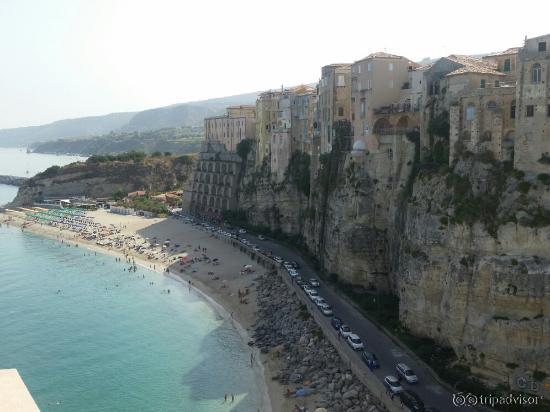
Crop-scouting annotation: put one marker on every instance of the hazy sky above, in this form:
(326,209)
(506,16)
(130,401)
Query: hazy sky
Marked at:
(72,58)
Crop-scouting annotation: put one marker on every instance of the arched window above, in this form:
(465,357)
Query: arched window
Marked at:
(536,74)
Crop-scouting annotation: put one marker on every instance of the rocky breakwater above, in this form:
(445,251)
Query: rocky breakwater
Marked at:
(287,331)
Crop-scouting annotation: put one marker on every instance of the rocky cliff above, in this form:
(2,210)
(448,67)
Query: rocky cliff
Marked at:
(102,179)
(12,180)
(466,248)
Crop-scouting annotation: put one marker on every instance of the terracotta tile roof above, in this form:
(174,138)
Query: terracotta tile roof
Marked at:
(473,65)
(507,52)
(382,55)
(301,89)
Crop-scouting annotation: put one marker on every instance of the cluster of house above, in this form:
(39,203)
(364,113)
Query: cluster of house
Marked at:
(498,103)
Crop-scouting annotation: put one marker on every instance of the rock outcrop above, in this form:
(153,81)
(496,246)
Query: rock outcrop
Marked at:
(12,180)
(102,179)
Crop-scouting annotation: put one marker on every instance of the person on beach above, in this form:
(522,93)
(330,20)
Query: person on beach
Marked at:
(225,398)
(232,398)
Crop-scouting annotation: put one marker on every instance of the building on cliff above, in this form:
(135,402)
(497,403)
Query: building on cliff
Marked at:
(237,124)
(532,146)
(334,102)
(482,114)
(377,82)
(213,184)
(266,120)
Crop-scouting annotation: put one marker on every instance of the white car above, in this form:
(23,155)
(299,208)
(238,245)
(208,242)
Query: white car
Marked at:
(406,372)
(312,293)
(255,248)
(355,342)
(314,282)
(392,383)
(278,259)
(318,300)
(345,330)
(326,309)
(261,237)
(242,231)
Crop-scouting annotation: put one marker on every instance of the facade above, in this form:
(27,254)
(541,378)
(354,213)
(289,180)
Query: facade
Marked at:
(266,120)
(213,185)
(334,102)
(376,82)
(532,146)
(482,116)
(237,124)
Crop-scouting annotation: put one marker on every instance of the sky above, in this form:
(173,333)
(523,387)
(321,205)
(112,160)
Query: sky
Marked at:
(71,58)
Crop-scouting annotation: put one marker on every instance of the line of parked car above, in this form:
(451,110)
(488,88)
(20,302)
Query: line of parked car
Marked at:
(310,287)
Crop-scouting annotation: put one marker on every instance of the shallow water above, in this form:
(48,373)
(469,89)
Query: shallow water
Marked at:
(111,341)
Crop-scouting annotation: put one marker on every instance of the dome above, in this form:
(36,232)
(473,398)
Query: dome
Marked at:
(359,147)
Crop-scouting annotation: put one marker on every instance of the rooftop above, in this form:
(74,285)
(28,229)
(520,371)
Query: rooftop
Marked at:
(381,55)
(472,65)
(507,52)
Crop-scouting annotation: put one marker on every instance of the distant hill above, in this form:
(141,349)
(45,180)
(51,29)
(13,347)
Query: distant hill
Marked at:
(175,116)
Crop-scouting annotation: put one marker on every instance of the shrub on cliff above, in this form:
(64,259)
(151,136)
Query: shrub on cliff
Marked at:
(299,171)
(244,147)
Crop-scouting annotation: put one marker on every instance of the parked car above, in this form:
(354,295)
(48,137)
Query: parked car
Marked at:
(312,293)
(370,359)
(278,259)
(261,237)
(326,309)
(295,264)
(406,372)
(256,249)
(411,401)
(336,322)
(242,231)
(300,282)
(318,300)
(344,330)
(314,282)
(355,342)
(393,384)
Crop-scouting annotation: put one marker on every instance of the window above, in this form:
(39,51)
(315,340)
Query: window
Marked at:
(491,105)
(362,108)
(542,46)
(470,112)
(369,67)
(513,110)
(536,73)
(530,110)
(506,65)
(341,82)
(340,111)
(390,154)
(359,68)
(497,83)
(548,110)
(482,83)
(390,67)
(369,84)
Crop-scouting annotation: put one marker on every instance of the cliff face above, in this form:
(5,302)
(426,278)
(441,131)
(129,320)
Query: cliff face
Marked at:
(466,249)
(103,179)
(473,269)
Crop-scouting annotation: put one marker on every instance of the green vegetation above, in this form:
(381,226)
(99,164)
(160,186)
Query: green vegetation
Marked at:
(299,171)
(147,204)
(523,187)
(51,171)
(539,376)
(545,159)
(244,147)
(167,141)
(123,157)
(438,131)
(544,178)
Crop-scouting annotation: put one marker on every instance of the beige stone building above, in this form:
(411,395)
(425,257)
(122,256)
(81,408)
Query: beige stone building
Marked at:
(237,124)
(334,102)
(532,145)
(482,114)
(377,81)
(266,120)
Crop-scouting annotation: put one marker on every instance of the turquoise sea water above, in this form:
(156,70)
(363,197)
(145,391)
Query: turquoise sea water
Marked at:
(111,341)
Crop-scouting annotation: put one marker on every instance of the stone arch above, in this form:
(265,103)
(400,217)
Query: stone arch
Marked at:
(508,146)
(204,200)
(219,202)
(224,168)
(211,201)
(217,167)
(224,204)
(204,167)
(208,178)
(226,192)
(200,188)
(403,122)
(209,166)
(382,126)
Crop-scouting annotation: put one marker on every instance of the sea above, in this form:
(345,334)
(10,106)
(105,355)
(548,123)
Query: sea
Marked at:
(87,335)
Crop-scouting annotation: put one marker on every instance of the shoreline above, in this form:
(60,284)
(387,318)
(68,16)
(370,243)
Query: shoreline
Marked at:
(272,396)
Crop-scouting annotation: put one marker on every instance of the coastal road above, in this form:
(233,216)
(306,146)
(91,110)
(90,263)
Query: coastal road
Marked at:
(388,352)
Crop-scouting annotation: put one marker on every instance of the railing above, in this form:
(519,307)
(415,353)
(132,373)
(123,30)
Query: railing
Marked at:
(397,108)
(387,131)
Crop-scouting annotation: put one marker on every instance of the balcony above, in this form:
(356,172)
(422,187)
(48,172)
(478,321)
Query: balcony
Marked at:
(397,108)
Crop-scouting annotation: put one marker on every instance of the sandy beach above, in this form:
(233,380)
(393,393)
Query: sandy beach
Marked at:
(214,270)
